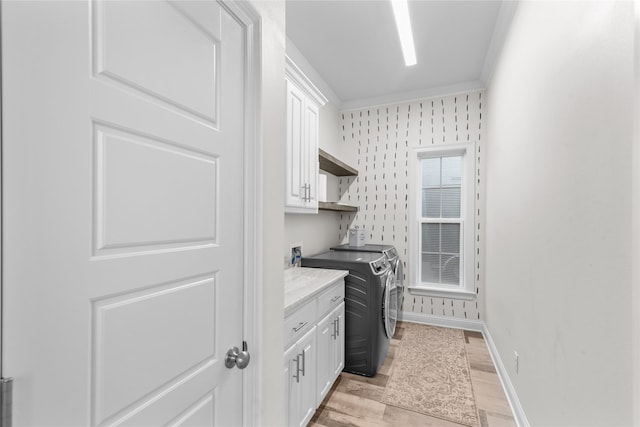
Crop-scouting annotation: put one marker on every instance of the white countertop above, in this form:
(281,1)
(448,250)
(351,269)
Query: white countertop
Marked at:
(302,284)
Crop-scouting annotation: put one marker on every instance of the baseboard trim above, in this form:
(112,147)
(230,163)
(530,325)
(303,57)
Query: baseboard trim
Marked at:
(479,326)
(507,386)
(447,322)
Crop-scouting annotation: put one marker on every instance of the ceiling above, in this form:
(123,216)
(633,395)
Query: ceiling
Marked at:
(354,51)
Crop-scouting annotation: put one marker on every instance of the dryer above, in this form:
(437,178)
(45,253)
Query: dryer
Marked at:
(370,306)
(392,256)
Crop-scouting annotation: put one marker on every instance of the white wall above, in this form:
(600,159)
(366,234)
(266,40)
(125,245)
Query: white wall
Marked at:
(272,137)
(558,223)
(316,233)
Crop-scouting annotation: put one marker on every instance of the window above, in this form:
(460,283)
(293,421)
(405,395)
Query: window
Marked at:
(442,221)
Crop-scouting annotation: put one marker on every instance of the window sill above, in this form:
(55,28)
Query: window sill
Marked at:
(442,292)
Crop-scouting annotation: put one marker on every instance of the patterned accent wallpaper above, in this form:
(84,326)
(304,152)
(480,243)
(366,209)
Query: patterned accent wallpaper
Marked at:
(384,137)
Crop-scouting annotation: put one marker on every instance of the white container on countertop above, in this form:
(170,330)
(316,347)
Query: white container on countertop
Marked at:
(357,236)
(322,187)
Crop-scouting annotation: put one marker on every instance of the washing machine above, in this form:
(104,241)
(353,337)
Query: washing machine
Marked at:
(370,306)
(392,256)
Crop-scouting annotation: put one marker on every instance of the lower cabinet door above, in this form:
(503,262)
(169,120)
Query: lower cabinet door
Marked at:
(299,375)
(326,333)
(308,358)
(330,350)
(338,348)
(290,386)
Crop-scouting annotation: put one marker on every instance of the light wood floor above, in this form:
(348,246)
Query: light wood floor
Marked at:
(355,400)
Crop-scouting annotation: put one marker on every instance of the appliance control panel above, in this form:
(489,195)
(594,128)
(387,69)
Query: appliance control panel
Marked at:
(379,266)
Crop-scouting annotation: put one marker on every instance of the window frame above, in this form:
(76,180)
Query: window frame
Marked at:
(465,290)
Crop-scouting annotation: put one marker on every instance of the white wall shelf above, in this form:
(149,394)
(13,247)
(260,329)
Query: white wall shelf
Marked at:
(335,166)
(336,207)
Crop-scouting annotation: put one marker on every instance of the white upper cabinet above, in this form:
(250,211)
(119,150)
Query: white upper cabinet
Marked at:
(303,113)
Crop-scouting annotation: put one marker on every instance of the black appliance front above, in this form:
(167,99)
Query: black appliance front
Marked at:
(366,342)
(393,257)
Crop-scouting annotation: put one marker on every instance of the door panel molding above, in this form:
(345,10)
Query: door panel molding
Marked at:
(249,38)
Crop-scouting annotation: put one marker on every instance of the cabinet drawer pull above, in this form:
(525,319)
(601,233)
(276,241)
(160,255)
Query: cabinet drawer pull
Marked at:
(297,374)
(300,326)
(336,298)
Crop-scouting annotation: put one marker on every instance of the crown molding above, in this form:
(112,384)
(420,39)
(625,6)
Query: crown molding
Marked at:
(295,56)
(500,32)
(402,97)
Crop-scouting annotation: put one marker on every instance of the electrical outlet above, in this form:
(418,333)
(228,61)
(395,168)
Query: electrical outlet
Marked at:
(516,361)
(296,254)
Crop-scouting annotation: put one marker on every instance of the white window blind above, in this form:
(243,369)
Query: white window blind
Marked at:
(441,221)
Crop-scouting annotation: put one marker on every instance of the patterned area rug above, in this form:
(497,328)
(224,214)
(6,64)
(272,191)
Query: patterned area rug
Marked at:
(431,375)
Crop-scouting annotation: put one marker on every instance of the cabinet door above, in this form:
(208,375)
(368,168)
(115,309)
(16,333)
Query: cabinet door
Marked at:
(296,152)
(326,355)
(307,351)
(338,355)
(312,135)
(291,397)
(330,350)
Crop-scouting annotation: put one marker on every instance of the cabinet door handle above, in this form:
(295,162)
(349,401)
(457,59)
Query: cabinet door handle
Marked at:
(334,334)
(309,188)
(300,326)
(304,192)
(297,374)
(304,362)
(337,326)
(336,298)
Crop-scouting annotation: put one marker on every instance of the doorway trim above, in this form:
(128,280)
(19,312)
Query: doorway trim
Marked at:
(1,207)
(249,18)
(635,219)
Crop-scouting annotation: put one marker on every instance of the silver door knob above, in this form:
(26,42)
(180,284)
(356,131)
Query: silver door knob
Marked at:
(238,358)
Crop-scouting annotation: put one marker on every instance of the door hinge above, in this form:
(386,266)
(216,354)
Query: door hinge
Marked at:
(6,402)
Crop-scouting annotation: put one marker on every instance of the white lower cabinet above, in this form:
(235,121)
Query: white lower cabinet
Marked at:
(330,350)
(300,379)
(314,353)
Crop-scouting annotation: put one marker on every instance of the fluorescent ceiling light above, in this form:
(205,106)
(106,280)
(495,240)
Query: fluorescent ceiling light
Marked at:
(401,12)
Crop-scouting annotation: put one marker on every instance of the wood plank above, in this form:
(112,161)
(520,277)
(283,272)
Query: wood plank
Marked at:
(488,392)
(499,420)
(398,333)
(355,406)
(361,389)
(402,417)
(472,334)
(379,379)
(335,166)
(337,207)
(330,418)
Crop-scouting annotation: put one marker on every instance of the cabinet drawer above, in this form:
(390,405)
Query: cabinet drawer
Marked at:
(330,298)
(299,322)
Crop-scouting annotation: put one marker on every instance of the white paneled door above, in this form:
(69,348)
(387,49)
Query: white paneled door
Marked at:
(123,198)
